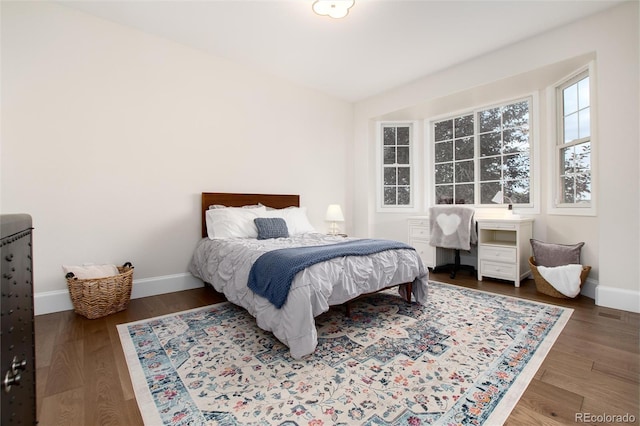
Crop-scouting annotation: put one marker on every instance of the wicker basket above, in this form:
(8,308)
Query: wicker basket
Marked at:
(99,297)
(543,285)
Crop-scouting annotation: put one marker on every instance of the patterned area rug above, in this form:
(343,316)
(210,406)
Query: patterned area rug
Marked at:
(466,358)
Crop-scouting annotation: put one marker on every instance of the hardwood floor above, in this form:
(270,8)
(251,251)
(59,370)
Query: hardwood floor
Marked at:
(592,370)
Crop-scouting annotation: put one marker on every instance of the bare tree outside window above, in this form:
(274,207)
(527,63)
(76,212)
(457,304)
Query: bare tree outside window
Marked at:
(396,165)
(574,145)
(479,154)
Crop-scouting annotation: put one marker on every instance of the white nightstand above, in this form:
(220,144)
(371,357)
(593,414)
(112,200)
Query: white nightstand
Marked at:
(504,248)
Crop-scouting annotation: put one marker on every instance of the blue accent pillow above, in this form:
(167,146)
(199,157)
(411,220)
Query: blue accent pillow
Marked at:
(271,227)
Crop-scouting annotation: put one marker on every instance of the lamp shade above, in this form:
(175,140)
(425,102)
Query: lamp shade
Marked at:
(334,213)
(498,198)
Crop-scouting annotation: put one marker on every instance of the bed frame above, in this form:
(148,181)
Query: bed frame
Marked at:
(276,201)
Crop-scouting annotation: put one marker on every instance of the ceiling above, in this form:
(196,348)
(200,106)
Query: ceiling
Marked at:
(380,45)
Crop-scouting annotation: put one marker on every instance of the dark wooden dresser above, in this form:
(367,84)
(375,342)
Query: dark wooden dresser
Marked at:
(17,360)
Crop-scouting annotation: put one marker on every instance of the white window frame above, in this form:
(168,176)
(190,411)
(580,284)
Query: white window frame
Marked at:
(533,207)
(413,137)
(556,142)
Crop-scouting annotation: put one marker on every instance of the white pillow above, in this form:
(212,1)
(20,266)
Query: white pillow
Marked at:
(89,271)
(296,218)
(232,222)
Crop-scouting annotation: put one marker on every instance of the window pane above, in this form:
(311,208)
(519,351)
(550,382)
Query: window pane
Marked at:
(464,126)
(389,155)
(516,114)
(443,130)
(490,144)
(389,136)
(583,187)
(583,93)
(404,196)
(403,155)
(404,176)
(488,191)
(443,152)
(489,120)
(567,190)
(403,136)
(390,196)
(390,176)
(584,118)
(490,169)
(571,127)
(517,191)
(464,148)
(444,194)
(582,157)
(515,140)
(444,173)
(566,160)
(570,96)
(464,194)
(464,171)
(516,166)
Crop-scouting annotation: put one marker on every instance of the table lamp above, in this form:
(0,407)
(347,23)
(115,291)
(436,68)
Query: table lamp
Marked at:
(334,215)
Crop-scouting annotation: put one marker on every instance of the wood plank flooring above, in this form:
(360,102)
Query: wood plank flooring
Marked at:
(592,370)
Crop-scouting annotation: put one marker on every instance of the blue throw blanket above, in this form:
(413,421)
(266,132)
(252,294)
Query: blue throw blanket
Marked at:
(272,273)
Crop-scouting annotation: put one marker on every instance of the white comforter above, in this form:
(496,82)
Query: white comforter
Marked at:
(225,264)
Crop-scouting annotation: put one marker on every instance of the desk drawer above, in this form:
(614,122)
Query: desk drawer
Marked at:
(425,251)
(419,231)
(498,226)
(501,254)
(498,270)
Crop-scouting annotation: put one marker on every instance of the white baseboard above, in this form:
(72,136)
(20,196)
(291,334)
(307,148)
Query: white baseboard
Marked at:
(59,300)
(611,297)
(589,288)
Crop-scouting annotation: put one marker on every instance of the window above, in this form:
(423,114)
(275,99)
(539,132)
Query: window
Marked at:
(573,146)
(483,157)
(396,163)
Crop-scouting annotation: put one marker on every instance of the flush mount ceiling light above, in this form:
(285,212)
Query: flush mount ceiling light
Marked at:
(333,8)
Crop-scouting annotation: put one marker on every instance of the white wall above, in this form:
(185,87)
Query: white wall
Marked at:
(612,37)
(109,135)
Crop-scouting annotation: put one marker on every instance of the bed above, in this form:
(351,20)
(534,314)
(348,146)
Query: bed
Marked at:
(232,248)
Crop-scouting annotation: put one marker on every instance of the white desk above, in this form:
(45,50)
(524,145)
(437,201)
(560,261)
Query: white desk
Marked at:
(419,235)
(504,248)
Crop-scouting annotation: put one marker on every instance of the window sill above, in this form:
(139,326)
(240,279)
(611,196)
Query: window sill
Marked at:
(572,211)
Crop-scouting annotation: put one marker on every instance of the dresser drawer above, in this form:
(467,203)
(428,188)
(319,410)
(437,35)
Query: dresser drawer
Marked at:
(498,270)
(501,254)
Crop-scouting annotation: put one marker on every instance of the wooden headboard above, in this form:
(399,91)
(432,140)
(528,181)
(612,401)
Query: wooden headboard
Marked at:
(277,201)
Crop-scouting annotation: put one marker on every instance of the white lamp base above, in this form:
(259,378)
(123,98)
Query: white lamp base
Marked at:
(333,229)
